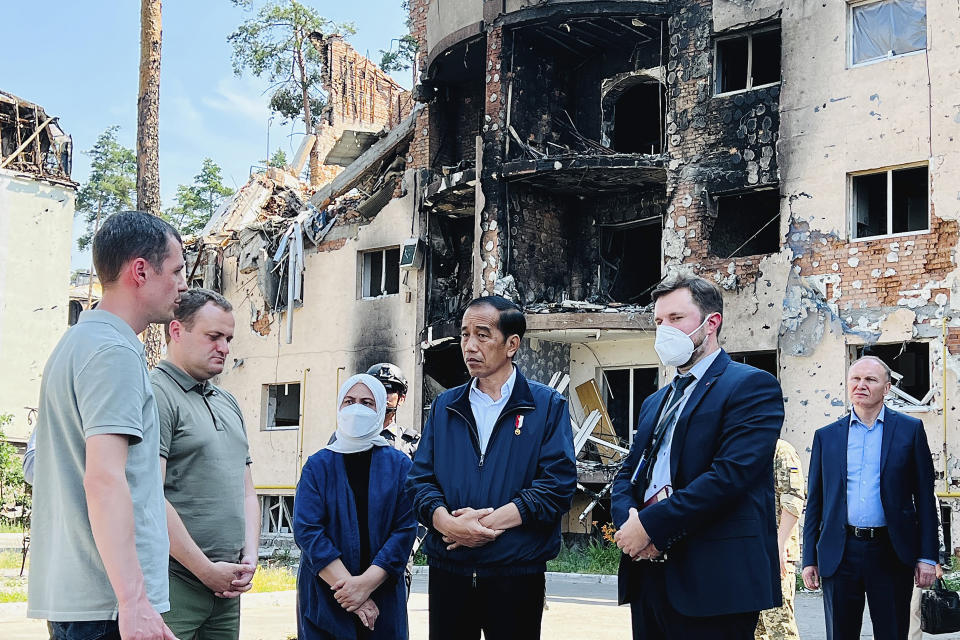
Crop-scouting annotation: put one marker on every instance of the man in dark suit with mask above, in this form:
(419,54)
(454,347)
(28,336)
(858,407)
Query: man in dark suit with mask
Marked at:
(694,500)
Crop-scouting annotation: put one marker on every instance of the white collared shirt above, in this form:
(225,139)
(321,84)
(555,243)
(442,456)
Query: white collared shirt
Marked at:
(486,410)
(661,466)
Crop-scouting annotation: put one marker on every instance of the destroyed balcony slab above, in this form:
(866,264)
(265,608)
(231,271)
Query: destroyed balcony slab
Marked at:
(452,195)
(579,327)
(581,173)
(350,146)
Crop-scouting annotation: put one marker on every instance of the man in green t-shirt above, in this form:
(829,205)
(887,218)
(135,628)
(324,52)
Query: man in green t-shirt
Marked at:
(213,517)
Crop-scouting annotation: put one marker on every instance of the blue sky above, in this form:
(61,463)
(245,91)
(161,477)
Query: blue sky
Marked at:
(79,61)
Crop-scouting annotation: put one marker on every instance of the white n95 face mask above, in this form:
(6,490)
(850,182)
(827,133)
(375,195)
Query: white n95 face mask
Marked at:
(674,346)
(357,421)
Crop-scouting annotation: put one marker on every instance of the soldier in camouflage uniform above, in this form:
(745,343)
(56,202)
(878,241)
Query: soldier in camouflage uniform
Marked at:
(780,623)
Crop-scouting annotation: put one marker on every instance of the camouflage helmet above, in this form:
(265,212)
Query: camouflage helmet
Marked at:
(391,376)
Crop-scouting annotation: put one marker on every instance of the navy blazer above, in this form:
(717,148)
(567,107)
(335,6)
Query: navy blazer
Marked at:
(719,526)
(906,492)
(325,528)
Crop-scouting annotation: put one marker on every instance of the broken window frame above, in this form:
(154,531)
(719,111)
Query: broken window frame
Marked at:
(265,422)
(633,404)
(749,71)
(363,281)
(851,63)
(852,199)
(718,198)
(276,514)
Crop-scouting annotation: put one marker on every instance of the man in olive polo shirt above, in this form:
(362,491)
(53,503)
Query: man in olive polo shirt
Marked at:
(213,517)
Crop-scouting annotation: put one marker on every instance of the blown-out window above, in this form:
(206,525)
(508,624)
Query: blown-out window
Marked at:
(747,61)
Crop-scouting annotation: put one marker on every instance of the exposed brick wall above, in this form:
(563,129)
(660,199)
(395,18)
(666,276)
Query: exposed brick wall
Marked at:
(493,216)
(953,340)
(418,157)
(882,272)
(358,91)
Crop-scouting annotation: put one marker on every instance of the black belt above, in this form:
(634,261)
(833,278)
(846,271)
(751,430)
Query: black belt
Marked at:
(866,533)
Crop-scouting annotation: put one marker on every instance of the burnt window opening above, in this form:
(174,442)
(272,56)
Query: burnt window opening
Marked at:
(73,315)
(888,202)
(747,224)
(276,515)
(281,406)
(624,391)
(638,119)
(747,61)
(763,360)
(380,272)
(630,261)
(910,362)
(457,90)
(450,267)
(886,28)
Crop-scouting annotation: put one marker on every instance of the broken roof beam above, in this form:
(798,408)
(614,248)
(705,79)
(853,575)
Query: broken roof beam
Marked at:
(372,157)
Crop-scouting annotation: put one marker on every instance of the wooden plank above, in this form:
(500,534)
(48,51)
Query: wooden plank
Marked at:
(589,395)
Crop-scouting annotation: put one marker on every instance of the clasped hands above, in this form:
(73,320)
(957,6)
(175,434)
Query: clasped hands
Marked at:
(633,540)
(353,594)
(468,527)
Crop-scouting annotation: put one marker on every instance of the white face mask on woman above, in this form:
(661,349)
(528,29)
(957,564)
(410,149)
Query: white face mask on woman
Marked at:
(674,346)
(357,421)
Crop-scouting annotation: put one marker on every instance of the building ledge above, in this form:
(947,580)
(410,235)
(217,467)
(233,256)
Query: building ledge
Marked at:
(581,173)
(580,327)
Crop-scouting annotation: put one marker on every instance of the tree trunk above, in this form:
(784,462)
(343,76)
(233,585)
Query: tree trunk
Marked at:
(148,140)
(308,117)
(148,109)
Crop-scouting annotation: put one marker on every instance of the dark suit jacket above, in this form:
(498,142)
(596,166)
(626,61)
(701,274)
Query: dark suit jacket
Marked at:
(719,526)
(906,492)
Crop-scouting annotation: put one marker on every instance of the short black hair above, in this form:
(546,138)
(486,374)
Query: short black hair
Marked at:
(128,235)
(705,294)
(192,300)
(510,320)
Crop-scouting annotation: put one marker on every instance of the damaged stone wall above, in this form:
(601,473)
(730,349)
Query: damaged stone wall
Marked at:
(540,359)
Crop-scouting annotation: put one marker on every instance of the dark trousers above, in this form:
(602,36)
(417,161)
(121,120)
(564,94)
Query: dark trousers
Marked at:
(871,568)
(503,607)
(654,618)
(86,630)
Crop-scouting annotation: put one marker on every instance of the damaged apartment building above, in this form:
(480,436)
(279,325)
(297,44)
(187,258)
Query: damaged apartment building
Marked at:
(802,155)
(37,199)
(570,154)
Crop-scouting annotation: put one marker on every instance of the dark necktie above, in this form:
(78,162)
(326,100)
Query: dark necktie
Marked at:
(669,413)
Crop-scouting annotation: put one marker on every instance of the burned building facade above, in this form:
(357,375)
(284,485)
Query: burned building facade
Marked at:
(804,156)
(37,197)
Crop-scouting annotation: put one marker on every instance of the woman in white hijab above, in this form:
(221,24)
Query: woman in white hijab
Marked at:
(355,526)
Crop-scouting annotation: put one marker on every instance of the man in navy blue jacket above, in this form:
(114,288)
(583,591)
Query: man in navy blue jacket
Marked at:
(694,500)
(494,474)
(871,519)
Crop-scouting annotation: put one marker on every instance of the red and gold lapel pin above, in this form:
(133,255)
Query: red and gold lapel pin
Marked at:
(519,425)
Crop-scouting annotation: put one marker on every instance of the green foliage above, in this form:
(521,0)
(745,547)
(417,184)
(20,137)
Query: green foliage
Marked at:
(14,494)
(275,44)
(278,159)
(112,185)
(13,590)
(597,556)
(196,202)
(401,59)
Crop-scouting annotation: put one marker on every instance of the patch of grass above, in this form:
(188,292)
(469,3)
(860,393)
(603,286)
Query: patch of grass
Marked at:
(273,578)
(8,527)
(13,590)
(11,559)
(597,556)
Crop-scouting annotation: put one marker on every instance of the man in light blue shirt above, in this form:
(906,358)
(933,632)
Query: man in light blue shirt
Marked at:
(871,522)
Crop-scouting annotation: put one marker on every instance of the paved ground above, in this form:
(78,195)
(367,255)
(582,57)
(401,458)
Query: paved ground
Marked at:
(576,610)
